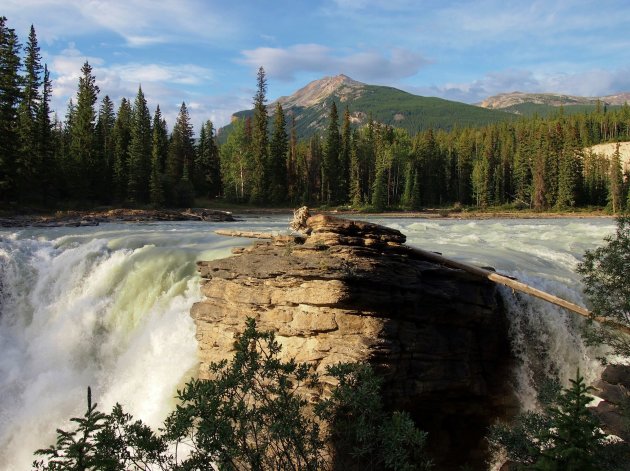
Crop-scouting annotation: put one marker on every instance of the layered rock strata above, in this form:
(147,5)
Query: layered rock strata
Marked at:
(353,292)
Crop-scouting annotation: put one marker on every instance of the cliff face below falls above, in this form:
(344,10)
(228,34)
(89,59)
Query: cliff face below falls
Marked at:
(352,292)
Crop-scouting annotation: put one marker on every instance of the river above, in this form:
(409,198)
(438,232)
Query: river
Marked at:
(107,307)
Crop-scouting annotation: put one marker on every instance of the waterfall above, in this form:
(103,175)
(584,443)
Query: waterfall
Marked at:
(107,307)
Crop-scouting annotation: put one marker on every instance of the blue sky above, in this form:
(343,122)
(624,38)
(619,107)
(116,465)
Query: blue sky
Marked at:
(206,53)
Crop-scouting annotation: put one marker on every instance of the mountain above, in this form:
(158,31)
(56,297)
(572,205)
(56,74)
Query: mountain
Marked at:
(310,106)
(544,104)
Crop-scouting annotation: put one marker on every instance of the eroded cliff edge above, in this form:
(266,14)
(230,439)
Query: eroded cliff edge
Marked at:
(352,291)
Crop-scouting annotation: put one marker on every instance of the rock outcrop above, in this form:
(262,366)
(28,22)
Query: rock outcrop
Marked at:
(352,292)
(614,390)
(94,218)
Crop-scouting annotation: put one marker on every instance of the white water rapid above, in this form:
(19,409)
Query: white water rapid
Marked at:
(107,307)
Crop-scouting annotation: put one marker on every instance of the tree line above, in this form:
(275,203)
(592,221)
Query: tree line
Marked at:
(96,155)
(538,163)
(99,155)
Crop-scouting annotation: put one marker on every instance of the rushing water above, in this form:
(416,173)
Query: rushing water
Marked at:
(107,307)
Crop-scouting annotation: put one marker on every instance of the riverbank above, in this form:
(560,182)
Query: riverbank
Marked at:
(94,218)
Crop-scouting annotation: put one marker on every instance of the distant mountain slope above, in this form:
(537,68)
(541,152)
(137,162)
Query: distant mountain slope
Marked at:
(544,104)
(311,104)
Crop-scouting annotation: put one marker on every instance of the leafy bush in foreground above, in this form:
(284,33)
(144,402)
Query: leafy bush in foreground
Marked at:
(250,416)
(564,436)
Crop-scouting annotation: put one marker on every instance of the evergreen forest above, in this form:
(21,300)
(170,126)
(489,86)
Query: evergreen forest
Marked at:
(103,153)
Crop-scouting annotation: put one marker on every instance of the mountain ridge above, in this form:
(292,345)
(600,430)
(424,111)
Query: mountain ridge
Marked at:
(310,106)
(525,102)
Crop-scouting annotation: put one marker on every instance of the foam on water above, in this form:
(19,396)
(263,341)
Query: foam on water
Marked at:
(106,307)
(109,306)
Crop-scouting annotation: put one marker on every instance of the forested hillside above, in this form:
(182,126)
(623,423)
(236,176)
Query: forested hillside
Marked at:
(310,107)
(102,153)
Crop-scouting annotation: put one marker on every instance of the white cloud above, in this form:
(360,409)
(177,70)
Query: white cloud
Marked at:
(284,64)
(138,22)
(594,82)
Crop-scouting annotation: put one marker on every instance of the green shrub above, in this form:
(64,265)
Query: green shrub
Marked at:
(252,415)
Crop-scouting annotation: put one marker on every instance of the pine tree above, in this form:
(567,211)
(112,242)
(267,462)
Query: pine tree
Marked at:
(122,138)
(207,166)
(139,151)
(292,164)
(345,156)
(355,171)
(260,151)
(181,157)
(9,101)
(615,186)
(82,133)
(28,164)
(105,147)
(159,152)
(575,435)
(48,170)
(379,192)
(277,167)
(330,163)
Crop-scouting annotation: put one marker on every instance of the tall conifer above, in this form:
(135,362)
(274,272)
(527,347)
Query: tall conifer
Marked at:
(105,147)
(139,151)
(207,179)
(48,171)
(330,164)
(260,140)
(9,101)
(122,138)
(82,133)
(28,165)
(159,152)
(345,155)
(277,167)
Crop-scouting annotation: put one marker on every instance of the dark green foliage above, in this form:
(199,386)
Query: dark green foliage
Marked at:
(250,414)
(259,142)
(207,179)
(345,156)
(83,154)
(108,442)
(48,170)
(615,186)
(564,436)
(605,273)
(159,152)
(278,148)
(10,95)
(180,161)
(122,138)
(363,434)
(253,415)
(330,163)
(105,146)
(28,166)
(140,146)
(574,437)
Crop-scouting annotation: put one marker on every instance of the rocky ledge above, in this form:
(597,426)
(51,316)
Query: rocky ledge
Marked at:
(94,218)
(351,292)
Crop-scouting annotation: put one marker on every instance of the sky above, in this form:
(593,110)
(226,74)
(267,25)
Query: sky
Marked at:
(206,53)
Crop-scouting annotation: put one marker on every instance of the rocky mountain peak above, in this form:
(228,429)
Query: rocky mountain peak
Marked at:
(318,90)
